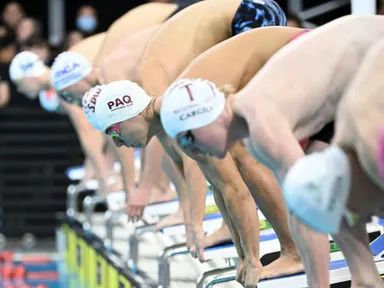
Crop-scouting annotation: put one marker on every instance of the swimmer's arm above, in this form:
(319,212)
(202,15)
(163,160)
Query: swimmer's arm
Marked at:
(220,202)
(4,93)
(197,190)
(153,156)
(272,138)
(126,159)
(92,142)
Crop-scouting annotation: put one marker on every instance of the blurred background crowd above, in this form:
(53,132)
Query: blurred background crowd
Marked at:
(24,26)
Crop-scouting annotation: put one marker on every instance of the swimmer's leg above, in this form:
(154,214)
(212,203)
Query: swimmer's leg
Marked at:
(314,250)
(271,203)
(126,158)
(221,235)
(354,243)
(111,155)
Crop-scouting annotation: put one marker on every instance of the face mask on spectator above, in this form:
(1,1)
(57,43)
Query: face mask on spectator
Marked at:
(86,23)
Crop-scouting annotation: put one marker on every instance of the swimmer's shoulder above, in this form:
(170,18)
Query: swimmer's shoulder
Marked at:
(261,40)
(90,46)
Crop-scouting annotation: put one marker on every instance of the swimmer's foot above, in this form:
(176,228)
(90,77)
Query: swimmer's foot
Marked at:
(219,236)
(161,196)
(241,271)
(173,219)
(254,272)
(284,265)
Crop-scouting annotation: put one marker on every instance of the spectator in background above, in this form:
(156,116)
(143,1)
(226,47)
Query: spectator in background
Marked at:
(73,38)
(380,9)
(3,30)
(7,52)
(87,19)
(294,20)
(38,46)
(12,14)
(28,27)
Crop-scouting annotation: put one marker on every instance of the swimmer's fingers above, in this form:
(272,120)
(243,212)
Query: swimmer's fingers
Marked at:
(135,213)
(193,251)
(201,254)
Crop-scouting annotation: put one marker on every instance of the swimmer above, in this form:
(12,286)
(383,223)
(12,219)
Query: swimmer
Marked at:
(158,68)
(233,63)
(120,65)
(31,76)
(354,163)
(154,185)
(299,112)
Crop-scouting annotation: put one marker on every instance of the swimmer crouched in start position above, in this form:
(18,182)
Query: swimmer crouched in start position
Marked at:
(277,109)
(346,188)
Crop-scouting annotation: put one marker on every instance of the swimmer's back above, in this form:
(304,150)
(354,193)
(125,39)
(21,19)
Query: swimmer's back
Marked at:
(122,62)
(89,47)
(182,38)
(236,60)
(135,20)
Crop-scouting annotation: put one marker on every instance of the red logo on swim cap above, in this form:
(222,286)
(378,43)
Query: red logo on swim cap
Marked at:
(118,103)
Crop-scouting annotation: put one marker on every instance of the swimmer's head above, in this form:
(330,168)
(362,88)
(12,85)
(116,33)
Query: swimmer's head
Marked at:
(89,102)
(49,100)
(316,190)
(120,110)
(72,76)
(196,114)
(28,73)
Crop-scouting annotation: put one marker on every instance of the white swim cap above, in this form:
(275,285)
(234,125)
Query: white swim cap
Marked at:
(68,69)
(190,104)
(89,103)
(26,64)
(119,101)
(316,189)
(49,100)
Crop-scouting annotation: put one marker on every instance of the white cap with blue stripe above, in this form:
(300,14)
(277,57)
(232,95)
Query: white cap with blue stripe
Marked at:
(68,69)
(316,189)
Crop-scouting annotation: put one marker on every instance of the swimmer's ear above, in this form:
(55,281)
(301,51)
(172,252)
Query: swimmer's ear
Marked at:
(227,89)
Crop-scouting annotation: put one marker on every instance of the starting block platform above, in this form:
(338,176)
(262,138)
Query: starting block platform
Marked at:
(85,254)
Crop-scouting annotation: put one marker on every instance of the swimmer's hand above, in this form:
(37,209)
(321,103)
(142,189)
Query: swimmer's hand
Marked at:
(189,236)
(137,202)
(197,250)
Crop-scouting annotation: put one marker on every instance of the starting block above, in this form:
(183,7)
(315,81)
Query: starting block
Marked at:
(339,271)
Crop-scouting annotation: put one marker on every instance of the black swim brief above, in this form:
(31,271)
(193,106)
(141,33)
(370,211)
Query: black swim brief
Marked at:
(325,134)
(257,13)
